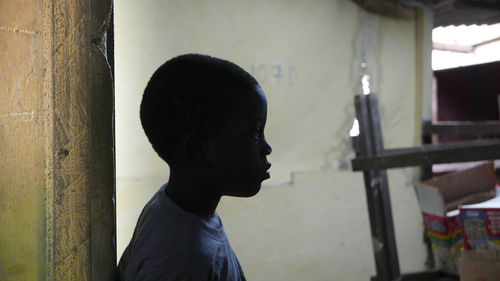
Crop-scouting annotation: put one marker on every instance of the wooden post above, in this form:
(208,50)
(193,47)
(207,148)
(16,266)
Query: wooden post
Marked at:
(56,142)
(377,190)
(82,210)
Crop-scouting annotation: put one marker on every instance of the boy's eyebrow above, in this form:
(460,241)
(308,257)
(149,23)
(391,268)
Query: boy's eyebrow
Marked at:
(258,120)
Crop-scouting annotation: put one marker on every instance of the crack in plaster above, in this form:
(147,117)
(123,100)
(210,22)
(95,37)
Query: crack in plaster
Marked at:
(365,62)
(339,157)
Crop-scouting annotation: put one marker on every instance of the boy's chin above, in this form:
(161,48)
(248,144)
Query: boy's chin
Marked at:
(246,192)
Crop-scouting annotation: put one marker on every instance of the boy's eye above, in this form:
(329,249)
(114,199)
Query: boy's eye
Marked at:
(257,134)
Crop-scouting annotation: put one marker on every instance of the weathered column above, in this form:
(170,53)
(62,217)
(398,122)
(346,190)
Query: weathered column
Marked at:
(56,141)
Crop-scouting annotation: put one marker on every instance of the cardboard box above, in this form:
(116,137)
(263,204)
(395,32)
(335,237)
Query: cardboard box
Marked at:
(480,265)
(439,199)
(481,225)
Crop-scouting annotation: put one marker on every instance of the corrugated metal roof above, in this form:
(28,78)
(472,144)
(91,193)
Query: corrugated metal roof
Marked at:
(482,41)
(466,12)
(465,35)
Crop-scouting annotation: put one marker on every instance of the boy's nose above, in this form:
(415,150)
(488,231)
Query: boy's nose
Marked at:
(267,148)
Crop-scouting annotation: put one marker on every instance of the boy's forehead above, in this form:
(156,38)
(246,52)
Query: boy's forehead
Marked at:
(245,100)
(246,105)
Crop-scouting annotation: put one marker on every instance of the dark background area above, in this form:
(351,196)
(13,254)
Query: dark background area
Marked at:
(468,94)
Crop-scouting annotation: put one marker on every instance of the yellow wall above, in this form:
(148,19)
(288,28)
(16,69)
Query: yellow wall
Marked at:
(310,220)
(22,153)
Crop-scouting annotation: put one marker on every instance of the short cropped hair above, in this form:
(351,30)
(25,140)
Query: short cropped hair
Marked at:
(185,95)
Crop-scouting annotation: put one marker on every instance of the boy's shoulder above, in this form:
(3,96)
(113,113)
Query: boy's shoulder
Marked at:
(160,217)
(171,240)
(166,226)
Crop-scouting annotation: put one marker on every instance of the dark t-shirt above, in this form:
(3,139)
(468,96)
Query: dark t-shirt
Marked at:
(172,244)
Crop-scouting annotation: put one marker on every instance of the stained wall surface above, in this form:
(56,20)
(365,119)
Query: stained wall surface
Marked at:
(310,221)
(22,161)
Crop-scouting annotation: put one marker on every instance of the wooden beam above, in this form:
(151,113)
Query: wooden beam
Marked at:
(462,128)
(453,47)
(369,143)
(430,154)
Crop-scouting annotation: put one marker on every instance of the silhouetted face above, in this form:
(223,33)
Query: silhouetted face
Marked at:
(238,152)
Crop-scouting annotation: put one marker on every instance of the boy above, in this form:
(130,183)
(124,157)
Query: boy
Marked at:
(205,117)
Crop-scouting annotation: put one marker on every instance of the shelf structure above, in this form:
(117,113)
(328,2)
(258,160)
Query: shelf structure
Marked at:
(427,155)
(461,127)
(373,160)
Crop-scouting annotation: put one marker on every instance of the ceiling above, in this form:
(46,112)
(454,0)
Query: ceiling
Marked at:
(467,12)
(446,12)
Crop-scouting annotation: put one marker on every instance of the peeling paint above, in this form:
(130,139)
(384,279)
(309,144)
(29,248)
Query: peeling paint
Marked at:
(364,66)
(26,115)
(19,30)
(339,157)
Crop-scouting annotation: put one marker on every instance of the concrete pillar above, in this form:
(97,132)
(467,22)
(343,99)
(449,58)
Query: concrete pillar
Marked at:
(56,141)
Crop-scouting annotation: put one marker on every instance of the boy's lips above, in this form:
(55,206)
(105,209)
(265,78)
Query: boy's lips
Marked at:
(267,166)
(267,174)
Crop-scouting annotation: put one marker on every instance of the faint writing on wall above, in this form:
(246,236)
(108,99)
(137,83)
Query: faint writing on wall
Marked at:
(274,73)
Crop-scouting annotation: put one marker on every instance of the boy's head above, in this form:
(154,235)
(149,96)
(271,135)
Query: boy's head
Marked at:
(212,113)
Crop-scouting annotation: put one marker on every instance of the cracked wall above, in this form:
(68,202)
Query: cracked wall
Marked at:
(310,221)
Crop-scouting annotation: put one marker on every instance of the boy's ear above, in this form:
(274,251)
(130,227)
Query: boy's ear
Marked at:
(196,147)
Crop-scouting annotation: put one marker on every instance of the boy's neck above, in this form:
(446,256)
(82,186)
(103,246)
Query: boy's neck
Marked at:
(192,195)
